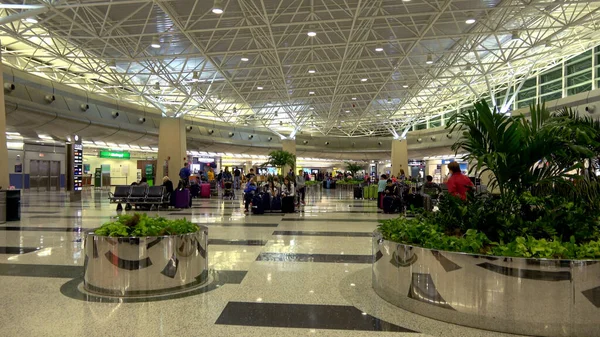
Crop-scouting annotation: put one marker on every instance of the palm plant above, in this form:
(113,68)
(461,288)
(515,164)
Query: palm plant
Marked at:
(353,168)
(281,159)
(536,154)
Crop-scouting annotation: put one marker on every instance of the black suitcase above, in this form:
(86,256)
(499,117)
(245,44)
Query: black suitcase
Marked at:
(195,190)
(257,204)
(389,204)
(287,205)
(266,202)
(276,204)
(414,200)
(358,193)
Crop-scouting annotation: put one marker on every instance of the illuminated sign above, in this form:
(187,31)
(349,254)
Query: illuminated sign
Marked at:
(114,155)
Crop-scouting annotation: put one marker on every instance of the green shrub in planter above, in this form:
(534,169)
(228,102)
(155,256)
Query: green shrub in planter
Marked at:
(139,225)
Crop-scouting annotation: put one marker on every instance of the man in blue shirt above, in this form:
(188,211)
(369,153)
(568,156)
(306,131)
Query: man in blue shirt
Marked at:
(185,174)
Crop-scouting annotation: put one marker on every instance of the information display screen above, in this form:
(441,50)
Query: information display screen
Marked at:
(77,167)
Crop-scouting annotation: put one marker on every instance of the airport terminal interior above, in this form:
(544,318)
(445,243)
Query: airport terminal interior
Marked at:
(277,168)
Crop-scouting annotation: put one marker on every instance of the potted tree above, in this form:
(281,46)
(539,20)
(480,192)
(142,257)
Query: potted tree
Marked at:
(502,261)
(281,159)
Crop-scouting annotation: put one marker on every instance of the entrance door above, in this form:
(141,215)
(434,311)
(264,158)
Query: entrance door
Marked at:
(44,175)
(55,175)
(33,174)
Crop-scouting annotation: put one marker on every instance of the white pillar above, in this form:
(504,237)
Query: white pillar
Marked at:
(399,157)
(4,181)
(288,145)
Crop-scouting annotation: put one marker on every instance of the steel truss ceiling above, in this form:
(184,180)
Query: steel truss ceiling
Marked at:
(374,67)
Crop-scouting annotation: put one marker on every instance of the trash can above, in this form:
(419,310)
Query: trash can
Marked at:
(13,205)
(2,206)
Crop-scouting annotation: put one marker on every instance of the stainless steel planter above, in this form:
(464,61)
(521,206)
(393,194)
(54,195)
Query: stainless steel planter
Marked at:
(516,295)
(145,266)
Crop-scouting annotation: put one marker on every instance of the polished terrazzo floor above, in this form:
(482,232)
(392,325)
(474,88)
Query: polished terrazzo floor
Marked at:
(298,274)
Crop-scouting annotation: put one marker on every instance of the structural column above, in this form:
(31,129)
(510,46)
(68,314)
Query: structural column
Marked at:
(399,157)
(4,180)
(172,149)
(289,145)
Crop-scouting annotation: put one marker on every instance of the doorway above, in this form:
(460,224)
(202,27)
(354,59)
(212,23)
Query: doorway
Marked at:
(44,175)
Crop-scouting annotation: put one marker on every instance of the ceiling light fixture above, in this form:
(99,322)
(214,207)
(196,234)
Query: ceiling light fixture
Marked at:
(311,71)
(311,92)
(31,20)
(429,59)
(379,49)
(155,43)
(157,86)
(515,35)
(112,64)
(244,59)
(347,111)
(405,86)
(470,21)
(259,88)
(311,31)
(364,79)
(195,76)
(218,7)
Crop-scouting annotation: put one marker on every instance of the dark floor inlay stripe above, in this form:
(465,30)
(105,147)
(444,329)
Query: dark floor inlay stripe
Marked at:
(17,250)
(306,316)
(45,229)
(593,295)
(233,224)
(528,273)
(40,270)
(315,233)
(330,258)
(237,242)
(330,220)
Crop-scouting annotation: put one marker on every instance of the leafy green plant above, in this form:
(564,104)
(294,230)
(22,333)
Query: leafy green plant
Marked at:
(353,168)
(139,225)
(281,159)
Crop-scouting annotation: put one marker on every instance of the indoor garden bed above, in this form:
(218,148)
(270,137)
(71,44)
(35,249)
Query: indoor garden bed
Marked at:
(139,256)
(521,260)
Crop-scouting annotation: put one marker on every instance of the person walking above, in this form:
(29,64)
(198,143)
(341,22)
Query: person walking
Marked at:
(237,175)
(300,187)
(458,184)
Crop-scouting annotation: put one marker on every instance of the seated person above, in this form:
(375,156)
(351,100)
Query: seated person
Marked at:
(431,188)
(248,194)
(168,184)
(391,189)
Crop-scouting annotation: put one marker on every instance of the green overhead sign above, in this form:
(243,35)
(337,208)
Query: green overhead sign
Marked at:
(115,155)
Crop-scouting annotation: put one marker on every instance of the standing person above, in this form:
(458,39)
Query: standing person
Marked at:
(185,173)
(402,176)
(458,184)
(290,174)
(143,182)
(301,187)
(237,174)
(211,174)
(431,186)
(381,185)
(220,177)
(250,175)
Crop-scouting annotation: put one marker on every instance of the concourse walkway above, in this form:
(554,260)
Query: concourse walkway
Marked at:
(301,274)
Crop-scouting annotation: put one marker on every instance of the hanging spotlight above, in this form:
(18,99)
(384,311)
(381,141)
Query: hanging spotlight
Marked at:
(311,31)
(364,79)
(429,59)
(155,43)
(218,7)
(311,92)
(31,20)
(195,76)
(112,64)
(405,86)
(157,86)
(515,35)
(548,43)
(379,49)
(470,21)
(311,70)
(259,88)
(389,99)
(354,98)
(245,59)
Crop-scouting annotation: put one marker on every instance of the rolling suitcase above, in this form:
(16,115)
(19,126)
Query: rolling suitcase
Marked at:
(389,204)
(276,204)
(182,198)
(205,191)
(287,205)
(358,193)
(195,190)
(266,202)
(214,191)
(257,204)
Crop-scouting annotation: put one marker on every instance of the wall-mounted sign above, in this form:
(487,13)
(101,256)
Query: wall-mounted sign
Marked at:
(77,164)
(114,155)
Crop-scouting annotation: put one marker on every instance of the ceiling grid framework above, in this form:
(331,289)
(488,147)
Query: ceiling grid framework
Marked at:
(373,68)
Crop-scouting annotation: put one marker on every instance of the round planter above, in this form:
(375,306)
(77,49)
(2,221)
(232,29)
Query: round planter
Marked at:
(537,297)
(143,266)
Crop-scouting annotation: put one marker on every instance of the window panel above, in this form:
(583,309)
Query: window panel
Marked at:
(551,87)
(553,74)
(435,122)
(527,94)
(581,88)
(421,126)
(530,83)
(551,97)
(579,79)
(524,104)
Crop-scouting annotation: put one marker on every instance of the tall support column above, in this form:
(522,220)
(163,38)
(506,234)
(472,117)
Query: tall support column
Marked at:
(4,181)
(172,149)
(289,145)
(399,157)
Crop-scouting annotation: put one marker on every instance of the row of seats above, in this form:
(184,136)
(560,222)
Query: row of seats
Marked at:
(154,195)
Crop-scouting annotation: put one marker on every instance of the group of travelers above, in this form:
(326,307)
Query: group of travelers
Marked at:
(292,186)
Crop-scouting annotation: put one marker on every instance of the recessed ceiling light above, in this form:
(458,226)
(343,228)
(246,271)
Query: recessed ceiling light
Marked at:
(354,98)
(155,43)
(470,21)
(429,59)
(311,71)
(244,59)
(218,7)
(363,79)
(31,20)
(378,49)
(259,88)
